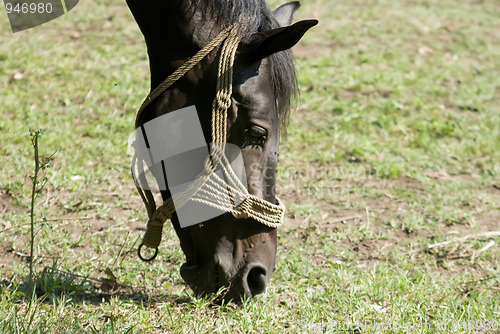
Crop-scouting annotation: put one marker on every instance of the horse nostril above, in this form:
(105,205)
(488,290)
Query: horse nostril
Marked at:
(256,279)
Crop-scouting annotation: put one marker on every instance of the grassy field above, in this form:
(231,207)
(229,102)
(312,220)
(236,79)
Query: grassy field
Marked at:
(390,172)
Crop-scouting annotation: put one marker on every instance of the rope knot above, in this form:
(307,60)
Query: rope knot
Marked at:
(224,103)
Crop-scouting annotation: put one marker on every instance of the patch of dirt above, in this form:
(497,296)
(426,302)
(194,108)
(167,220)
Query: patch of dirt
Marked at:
(488,221)
(77,217)
(8,203)
(303,50)
(373,227)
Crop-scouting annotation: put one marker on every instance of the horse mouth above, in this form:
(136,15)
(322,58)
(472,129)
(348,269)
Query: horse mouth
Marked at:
(201,280)
(190,272)
(205,282)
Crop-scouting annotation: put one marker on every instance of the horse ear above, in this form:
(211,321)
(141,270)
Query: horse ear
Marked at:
(265,43)
(284,14)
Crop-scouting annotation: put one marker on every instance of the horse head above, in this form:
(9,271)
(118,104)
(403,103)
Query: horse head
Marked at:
(234,251)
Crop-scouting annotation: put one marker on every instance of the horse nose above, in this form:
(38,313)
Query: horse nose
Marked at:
(256,279)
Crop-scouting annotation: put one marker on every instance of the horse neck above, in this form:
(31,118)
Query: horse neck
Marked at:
(172,36)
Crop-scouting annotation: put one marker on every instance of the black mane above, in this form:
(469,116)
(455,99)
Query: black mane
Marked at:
(227,12)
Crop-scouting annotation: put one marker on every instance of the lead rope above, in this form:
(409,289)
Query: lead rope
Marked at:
(209,188)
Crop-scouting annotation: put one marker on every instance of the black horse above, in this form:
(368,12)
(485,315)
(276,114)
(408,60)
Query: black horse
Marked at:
(234,252)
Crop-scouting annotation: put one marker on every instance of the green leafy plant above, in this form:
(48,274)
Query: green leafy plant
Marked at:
(41,163)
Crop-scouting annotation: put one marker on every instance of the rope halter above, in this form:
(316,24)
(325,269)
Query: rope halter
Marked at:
(221,190)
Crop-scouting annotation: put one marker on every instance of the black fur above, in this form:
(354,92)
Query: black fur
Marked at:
(227,12)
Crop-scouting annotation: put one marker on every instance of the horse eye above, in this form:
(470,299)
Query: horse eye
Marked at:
(255,135)
(257,132)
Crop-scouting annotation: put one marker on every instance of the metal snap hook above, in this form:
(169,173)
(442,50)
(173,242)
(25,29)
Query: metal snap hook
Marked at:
(144,259)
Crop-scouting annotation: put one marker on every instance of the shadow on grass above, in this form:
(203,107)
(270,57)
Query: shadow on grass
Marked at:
(54,284)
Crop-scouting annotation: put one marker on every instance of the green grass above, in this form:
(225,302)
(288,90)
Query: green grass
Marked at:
(394,146)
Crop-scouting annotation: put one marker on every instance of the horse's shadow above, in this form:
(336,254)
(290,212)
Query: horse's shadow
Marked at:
(55,285)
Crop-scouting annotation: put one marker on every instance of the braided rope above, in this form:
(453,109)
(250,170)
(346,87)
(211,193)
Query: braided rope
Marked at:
(209,188)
